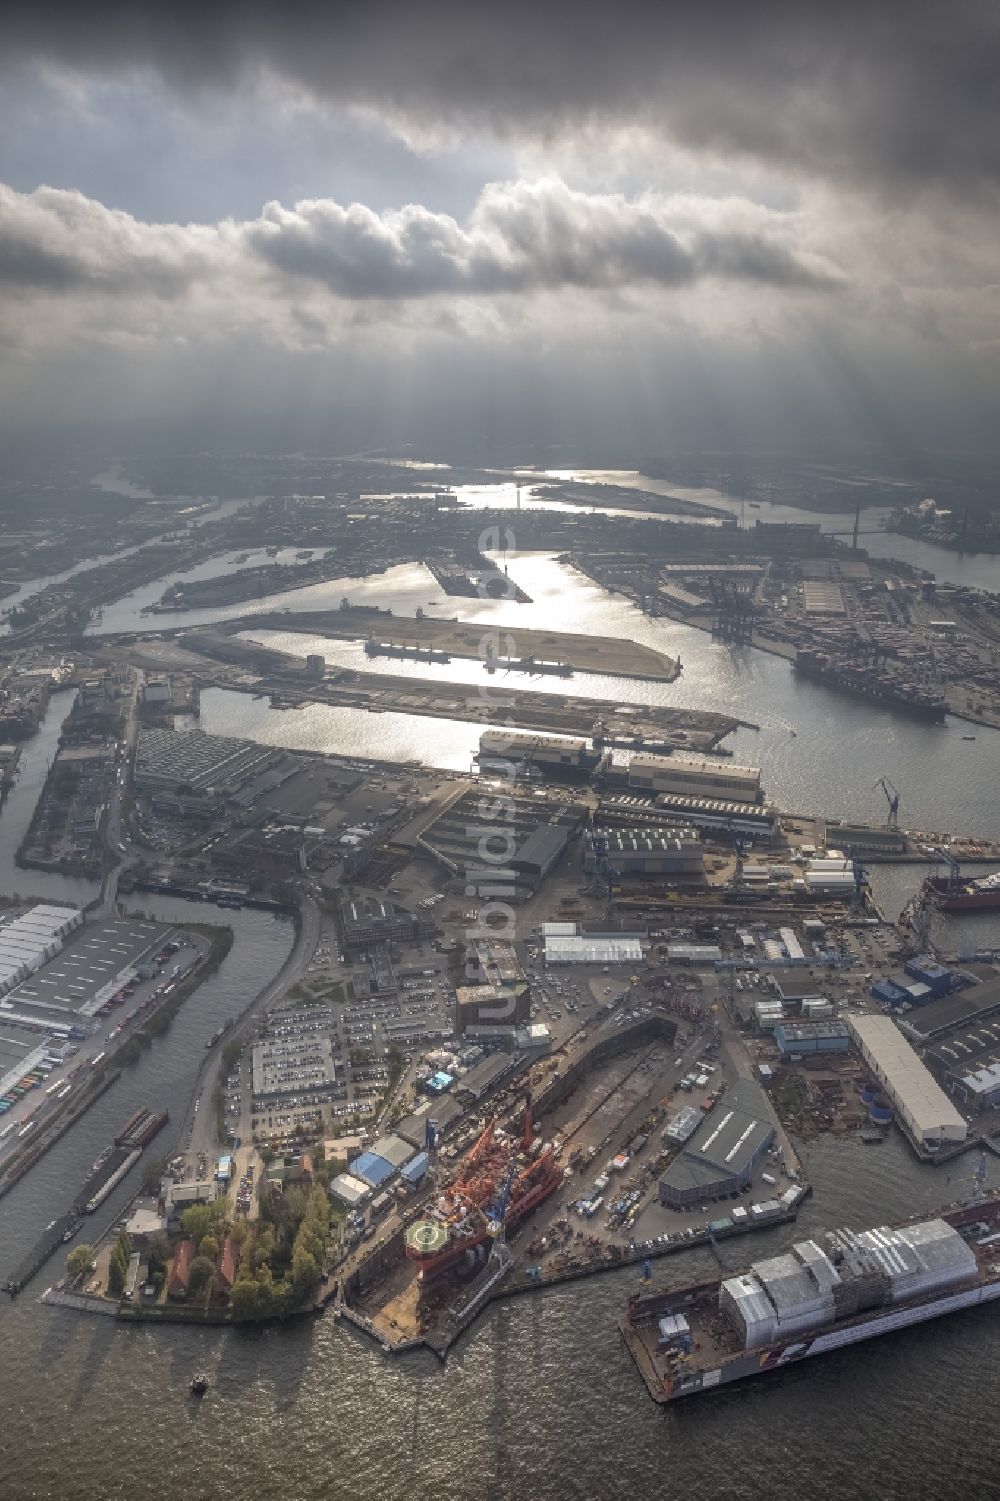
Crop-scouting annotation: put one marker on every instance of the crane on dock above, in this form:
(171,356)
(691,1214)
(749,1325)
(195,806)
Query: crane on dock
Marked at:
(954,869)
(892,798)
(604,877)
(860,877)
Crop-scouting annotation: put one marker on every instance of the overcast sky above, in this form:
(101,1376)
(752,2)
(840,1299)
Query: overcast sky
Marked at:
(614,227)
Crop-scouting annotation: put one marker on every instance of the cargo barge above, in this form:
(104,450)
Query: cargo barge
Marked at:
(838,1289)
(108,1170)
(125,1166)
(864,683)
(531,665)
(430,654)
(55,1235)
(982,895)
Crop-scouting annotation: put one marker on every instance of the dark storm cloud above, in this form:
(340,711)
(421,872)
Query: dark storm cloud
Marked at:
(895,90)
(520,238)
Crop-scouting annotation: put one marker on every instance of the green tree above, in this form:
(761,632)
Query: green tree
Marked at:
(245,1299)
(79,1260)
(159,1253)
(200,1274)
(199,1220)
(209,1246)
(305,1274)
(116,1273)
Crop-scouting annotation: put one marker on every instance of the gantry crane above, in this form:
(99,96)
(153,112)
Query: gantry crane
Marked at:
(892,798)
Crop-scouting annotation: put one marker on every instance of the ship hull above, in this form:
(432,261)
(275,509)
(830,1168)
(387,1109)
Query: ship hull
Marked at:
(983,900)
(790,1352)
(932,710)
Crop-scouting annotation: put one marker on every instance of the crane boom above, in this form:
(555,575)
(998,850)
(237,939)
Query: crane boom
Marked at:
(892,798)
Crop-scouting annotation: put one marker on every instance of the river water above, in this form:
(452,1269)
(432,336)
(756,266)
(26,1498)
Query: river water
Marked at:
(540,1400)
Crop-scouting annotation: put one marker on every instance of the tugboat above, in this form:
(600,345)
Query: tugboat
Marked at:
(199,1385)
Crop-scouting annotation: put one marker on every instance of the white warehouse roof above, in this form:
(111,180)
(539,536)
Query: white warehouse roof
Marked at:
(925,1106)
(593,948)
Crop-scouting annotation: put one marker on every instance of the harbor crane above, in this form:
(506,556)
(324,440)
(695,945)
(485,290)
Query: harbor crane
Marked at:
(860,877)
(604,876)
(954,868)
(892,798)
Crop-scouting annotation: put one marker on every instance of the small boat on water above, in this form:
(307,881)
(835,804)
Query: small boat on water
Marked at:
(199,1385)
(968,737)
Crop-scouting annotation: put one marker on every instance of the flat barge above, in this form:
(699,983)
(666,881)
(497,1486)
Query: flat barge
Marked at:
(841,1288)
(55,1235)
(115,1161)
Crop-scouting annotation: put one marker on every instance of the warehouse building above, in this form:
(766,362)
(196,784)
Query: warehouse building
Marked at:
(29,941)
(97,960)
(666,851)
(811,1037)
(980,1087)
(750,820)
(366,919)
(706,779)
(920,1103)
(170,759)
(721,1156)
(483,1080)
(793,987)
(953,1013)
(594,948)
(925,969)
(501,751)
(967,1062)
(682,1126)
(520,849)
(381,1161)
(860,837)
(349,1191)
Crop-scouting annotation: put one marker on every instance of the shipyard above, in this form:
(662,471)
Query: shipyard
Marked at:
(487,1076)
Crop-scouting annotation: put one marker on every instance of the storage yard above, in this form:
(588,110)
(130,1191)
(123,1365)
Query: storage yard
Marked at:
(61,1040)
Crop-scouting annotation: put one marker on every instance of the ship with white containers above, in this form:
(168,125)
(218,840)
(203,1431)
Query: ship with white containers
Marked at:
(840,1288)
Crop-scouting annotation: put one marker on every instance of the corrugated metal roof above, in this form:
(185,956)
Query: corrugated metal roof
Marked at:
(592,949)
(909,1082)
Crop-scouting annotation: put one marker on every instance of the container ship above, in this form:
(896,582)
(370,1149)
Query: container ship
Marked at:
(982,895)
(496,1167)
(838,1289)
(866,682)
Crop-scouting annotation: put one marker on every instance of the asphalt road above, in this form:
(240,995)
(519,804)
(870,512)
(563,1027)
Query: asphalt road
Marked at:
(201,1121)
(116,845)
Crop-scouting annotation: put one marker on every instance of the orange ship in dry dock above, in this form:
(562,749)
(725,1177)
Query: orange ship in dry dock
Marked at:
(460,1220)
